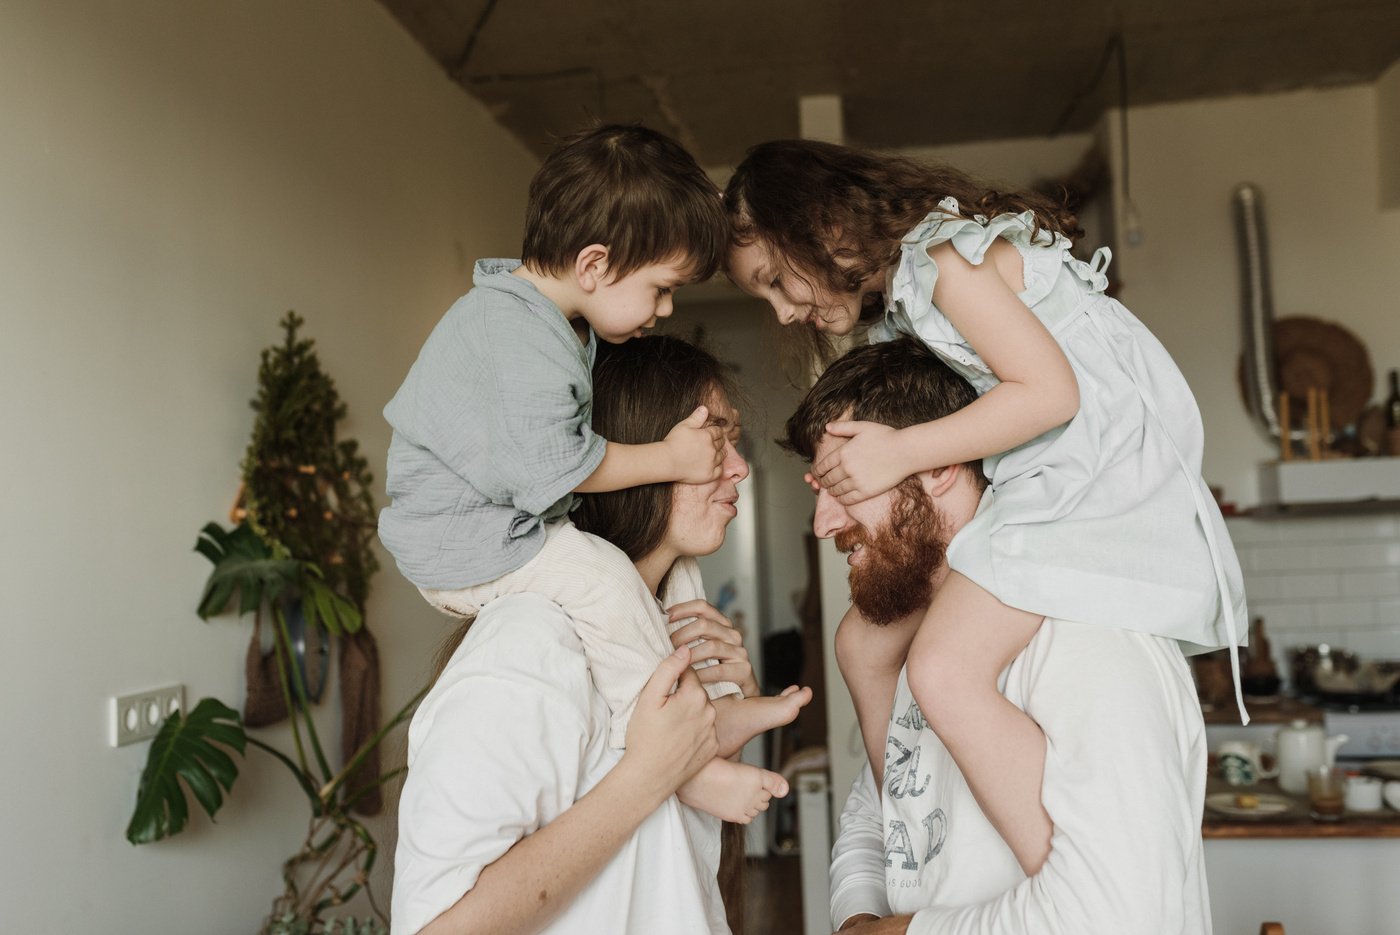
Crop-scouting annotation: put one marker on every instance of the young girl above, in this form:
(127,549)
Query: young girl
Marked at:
(1089,435)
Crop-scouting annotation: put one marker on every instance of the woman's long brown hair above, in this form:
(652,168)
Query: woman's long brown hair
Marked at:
(641,389)
(836,215)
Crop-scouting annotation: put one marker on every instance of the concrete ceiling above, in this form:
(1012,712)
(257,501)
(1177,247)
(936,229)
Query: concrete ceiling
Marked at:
(722,75)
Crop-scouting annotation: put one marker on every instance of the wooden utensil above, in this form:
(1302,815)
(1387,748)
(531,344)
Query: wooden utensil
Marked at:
(1314,449)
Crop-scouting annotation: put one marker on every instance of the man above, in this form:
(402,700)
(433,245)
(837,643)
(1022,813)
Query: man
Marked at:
(1125,767)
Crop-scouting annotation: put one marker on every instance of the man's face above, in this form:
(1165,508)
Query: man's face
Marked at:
(894,545)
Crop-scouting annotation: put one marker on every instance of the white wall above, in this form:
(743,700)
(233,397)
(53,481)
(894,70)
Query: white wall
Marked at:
(1334,250)
(174,177)
(1388,136)
(1021,162)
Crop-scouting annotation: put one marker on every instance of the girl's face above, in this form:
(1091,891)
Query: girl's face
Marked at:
(700,513)
(756,269)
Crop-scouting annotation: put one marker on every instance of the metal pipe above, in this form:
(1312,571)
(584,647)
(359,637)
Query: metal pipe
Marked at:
(1260,367)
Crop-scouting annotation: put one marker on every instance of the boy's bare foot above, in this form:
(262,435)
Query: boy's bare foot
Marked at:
(732,791)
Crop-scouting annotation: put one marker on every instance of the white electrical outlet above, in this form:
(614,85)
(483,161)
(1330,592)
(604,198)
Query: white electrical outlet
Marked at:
(139,717)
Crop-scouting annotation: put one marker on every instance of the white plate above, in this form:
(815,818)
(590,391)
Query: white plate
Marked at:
(1224,802)
(1385,769)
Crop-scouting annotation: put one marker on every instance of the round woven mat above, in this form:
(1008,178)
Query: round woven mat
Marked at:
(1319,354)
(1313,353)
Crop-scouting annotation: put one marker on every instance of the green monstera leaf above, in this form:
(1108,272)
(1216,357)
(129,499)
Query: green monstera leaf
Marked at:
(185,748)
(242,563)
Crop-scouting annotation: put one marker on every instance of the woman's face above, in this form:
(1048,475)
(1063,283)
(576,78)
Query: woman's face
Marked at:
(756,269)
(701,512)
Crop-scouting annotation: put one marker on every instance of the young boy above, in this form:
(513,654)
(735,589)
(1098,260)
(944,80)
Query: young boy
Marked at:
(492,436)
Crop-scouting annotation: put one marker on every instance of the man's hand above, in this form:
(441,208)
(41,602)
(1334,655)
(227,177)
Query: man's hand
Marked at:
(867,924)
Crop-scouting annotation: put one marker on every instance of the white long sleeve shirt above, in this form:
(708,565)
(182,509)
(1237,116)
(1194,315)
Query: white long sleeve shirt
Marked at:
(510,736)
(1124,784)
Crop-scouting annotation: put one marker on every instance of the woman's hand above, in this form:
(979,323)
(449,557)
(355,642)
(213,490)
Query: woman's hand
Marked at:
(723,641)
(670,737)
(867,465)
(867,924)
(671,734)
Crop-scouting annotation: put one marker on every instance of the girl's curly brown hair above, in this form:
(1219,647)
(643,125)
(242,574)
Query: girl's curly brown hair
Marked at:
(837,215)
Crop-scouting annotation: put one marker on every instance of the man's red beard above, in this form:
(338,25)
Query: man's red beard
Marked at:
(895,576)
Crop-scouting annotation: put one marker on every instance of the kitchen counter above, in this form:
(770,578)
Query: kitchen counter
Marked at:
(1281,711)
(1294,823)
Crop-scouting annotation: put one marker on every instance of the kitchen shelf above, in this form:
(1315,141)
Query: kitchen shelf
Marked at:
(1328,488)
(1294,823)
(1283,711)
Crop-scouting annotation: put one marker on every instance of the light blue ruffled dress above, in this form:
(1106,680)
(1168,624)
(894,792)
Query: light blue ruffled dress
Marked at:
(1105,519)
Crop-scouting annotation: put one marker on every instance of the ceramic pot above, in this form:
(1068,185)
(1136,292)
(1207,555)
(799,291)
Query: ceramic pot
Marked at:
(1300,747)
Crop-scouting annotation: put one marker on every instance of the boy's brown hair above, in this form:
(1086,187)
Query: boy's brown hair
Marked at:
(631,189)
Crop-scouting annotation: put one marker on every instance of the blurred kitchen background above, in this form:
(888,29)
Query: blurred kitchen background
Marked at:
(174,176)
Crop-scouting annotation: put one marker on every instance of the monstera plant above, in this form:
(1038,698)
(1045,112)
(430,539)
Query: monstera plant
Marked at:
(299,561)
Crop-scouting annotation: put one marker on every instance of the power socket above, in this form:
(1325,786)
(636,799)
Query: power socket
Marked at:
(139,717)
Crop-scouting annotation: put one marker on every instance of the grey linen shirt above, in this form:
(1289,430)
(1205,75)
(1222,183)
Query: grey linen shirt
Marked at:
(491,435)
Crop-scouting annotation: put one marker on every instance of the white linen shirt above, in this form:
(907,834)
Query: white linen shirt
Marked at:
(511,735)
(1125,774)
(491,434)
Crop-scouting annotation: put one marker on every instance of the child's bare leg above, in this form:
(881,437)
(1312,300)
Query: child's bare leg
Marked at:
(870,656)
(739,720)
(732,791)
(965,641)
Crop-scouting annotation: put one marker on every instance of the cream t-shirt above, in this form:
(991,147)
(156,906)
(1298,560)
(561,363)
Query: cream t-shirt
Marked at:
(1124,784)
(511,735)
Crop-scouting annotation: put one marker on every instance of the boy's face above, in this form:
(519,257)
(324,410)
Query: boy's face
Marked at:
(623,308)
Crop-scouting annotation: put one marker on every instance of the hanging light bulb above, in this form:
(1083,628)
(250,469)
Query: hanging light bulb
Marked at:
(1132,226)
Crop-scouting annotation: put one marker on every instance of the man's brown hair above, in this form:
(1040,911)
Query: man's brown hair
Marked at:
(896,383)
(631,189)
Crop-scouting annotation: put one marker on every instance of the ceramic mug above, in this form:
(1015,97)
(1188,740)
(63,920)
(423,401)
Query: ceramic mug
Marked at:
(1363,794)
(1242,764)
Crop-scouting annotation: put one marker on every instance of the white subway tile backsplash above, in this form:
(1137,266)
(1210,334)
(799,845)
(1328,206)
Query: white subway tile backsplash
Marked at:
(1328,579)
(1245,531)
(1353,555)
(1264,588)
(1311,587)
(1372,583)
(1284,616)
(1373,644)
(1283,558)
(1347,615)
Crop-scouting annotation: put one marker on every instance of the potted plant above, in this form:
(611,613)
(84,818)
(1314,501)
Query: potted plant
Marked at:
(298,559)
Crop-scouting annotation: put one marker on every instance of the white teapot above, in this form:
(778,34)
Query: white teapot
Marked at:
(1300,747)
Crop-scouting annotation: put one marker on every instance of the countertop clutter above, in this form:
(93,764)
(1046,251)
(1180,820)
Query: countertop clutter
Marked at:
(1277,709)
(1294,821)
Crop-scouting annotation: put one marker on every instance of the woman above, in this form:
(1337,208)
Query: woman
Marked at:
(516,815)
